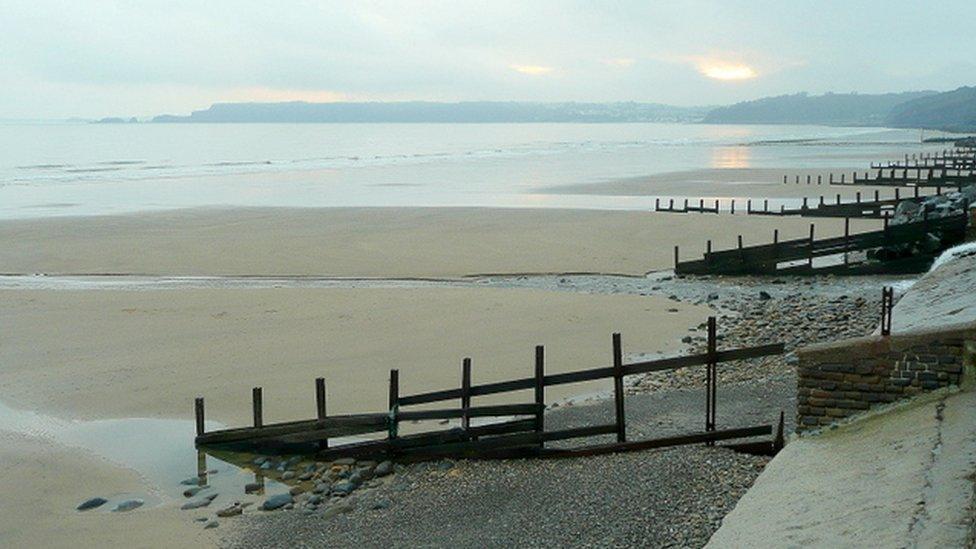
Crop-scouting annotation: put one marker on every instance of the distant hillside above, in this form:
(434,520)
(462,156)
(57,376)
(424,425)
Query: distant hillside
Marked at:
(419,111)
(832,109)
(949,111)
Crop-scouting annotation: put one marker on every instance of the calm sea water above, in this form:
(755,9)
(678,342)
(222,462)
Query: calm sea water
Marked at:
(89,169)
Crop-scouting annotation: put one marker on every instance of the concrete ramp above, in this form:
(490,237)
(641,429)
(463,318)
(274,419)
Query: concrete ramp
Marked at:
(901,478)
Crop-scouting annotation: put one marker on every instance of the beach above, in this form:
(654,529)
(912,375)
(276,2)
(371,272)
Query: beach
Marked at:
(122,298)
(382,242)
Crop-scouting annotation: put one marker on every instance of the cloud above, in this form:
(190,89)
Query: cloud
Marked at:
(725,70)
(534,70)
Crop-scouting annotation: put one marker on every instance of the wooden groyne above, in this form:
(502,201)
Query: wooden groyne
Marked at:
(797,256)
(519,429)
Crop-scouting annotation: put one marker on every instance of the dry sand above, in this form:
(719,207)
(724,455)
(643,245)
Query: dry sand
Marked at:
(381,242)
(109,354)
(42,482)
(755,183)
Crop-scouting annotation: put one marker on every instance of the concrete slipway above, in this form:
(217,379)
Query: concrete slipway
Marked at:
(902,476)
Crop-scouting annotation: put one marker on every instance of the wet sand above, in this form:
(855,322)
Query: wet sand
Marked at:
(43,482)
(382,242)
(106,354)
(739,183)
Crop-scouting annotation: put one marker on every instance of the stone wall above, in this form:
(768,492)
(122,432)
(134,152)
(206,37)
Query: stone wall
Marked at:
(843,378)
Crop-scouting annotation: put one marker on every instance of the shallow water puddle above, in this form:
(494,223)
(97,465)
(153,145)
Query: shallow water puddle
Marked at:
(161,451)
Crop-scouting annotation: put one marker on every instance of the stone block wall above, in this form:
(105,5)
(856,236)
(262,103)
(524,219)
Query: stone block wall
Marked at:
(844,378)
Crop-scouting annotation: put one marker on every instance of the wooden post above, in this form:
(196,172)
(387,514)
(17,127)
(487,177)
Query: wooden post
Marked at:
(671,204)
(657,204)
(858,197)
(808,179)
(916,191)
(810,249)
(394,402)
(701,205)
(198,412)
(765,204)
(320,412)
(466,393)
(897,193)
(819,178)
(842,179)
(710,375)
(320,398)
(618,388)
(257,406)
(740,241)
(838,199)
(202,468)
(708,248)
(784,180)
(847,237)
(749,206)
(804,202)
(716,206)
(775,248)
(821,201)
(676,258)
(732,206)
(540,390)
(877,196)
(797,179)
(831,178)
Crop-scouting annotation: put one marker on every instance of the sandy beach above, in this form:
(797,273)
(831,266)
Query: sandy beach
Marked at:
(382,242)
(110,354)
(103,354)
(42,483)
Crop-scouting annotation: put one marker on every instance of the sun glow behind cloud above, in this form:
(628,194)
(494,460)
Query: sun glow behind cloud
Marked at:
(723,70)
(534,70)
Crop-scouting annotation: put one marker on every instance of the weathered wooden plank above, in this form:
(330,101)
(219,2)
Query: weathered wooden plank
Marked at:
(334,426)
(474,411)
(593,374)
(696,438)
(377,447)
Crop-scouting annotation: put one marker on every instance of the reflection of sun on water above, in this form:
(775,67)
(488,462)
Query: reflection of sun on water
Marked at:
(731,157)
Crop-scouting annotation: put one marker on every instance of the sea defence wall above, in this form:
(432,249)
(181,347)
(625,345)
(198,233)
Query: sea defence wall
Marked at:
(840,379)
(932,346)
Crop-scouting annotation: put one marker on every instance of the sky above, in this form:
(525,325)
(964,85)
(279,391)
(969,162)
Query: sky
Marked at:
(94,58)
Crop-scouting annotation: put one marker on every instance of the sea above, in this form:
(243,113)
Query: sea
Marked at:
(97,169)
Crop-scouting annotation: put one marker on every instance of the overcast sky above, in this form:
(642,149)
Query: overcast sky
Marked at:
(141,57)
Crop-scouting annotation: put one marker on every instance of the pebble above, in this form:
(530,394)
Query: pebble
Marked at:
(252,487)
(383,469)
(202,501)
(190,492)
(277,502)
(343,487)
(231,511)
(128,505)
(211,524)
(91,503)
